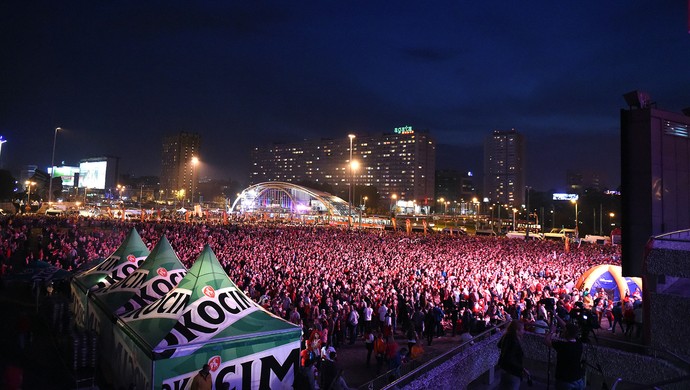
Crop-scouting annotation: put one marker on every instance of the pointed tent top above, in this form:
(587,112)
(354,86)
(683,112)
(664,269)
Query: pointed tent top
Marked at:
(131,251)
(162,266)
(206,270)
(175,324)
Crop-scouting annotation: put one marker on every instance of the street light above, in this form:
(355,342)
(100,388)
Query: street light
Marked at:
(361,209)
(120,189)
(195,162)
(353,167)
(613,224)
(442,200)
(52,167)
(350,194)
(28,195)
(394,198)
(574,201)
(514,212)
(2,141)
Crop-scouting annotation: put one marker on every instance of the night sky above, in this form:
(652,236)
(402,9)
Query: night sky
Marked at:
(118,76)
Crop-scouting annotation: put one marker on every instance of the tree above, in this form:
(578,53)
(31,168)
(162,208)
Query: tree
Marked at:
(8,185)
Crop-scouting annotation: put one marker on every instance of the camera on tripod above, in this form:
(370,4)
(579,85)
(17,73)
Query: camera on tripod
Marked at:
(585,319)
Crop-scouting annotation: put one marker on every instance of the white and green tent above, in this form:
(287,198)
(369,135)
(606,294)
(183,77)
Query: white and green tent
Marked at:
(206,319)
(155,277)
(127,258)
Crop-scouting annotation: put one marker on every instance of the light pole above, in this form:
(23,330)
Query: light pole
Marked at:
(528,213)
(514,212)
(611,223)
(362,207)
(394,198)
(28,195)
(442,200)
(353,167)
(2,141)
(195,162)
(52,167)
(349,190)
(574,201)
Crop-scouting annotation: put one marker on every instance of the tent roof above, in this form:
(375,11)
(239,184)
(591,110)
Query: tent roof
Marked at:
(146,283)
(131,252)
(206,306)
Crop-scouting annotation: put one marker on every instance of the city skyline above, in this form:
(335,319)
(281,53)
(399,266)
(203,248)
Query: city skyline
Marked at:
(118,78)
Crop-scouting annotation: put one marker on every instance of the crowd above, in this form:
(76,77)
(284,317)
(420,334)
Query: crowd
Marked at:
(345,284)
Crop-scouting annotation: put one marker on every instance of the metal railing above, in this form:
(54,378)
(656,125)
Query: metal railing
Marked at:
(411,370)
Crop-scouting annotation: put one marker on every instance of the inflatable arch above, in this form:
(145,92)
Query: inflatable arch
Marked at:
(609,278)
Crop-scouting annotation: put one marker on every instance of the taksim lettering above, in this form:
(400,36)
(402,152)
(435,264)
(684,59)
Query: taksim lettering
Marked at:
(152,290)
(211,313)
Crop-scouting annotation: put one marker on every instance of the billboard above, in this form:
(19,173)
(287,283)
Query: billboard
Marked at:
(66,173)
(92,174)
(557,196)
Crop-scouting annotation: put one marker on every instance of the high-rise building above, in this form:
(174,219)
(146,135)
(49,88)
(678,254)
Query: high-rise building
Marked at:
(655,150)
(400,163)
(455,187)
(178,179)
(504,168)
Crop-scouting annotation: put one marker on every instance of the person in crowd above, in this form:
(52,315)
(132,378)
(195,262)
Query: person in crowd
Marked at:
(569,371)
(380,348)
(511,358)
(369,344)
(617,312)
(202,380)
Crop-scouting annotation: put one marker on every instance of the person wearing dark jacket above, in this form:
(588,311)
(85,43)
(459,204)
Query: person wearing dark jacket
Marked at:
(569,371)
(510,360)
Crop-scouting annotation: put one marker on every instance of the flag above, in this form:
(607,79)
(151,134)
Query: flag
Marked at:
(424,223)
(567,245)
(393,222)
(186,216)
(408,226)
(225,217)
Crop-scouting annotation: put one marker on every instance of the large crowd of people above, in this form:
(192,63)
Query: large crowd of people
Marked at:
(343,283)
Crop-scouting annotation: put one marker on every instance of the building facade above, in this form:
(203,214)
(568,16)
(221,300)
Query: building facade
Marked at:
(454,187)
(178,179)
(655,151)
(504,168)
(401,163)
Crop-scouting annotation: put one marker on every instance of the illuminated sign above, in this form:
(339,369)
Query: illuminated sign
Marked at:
(92,174)
(66,173)
(404,130)
(565,197)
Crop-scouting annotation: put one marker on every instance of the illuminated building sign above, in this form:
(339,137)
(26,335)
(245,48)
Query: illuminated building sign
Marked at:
(404,130)
(565,197)
(92,174)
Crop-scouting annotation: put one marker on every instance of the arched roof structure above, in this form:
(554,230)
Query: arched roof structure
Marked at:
(282,197)
(609,278)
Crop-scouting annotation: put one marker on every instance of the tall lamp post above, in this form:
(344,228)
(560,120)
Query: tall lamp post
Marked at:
(195,162)
(394,198)
(353,167)
(52,167)
(2,141)
(577,222)
(349,190)
(28,194)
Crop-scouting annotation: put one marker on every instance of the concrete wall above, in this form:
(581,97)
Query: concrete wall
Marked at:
(460,370)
